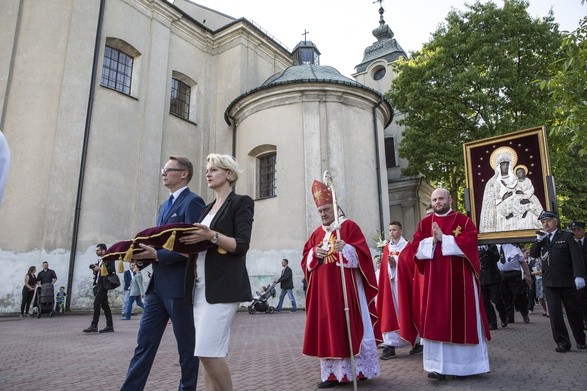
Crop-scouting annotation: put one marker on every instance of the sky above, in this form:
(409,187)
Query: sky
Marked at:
(341,29)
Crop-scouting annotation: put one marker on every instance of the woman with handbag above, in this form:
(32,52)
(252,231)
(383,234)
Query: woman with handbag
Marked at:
(222,281)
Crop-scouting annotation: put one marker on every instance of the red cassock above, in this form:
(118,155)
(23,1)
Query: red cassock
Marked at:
(410,284)
(326,333)
(448,302)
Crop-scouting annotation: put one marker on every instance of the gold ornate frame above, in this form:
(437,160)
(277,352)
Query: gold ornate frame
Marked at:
(527,149)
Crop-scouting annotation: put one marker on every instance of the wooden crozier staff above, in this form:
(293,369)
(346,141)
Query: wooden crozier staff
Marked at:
(327,179)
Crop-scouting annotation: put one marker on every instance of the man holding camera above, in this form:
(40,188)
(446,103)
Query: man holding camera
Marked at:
(101,293)
(563,273)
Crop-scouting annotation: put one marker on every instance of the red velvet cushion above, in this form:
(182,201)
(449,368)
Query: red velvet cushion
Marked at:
(118,251)
(167,236)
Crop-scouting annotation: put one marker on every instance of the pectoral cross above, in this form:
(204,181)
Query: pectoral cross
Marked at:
(457,230)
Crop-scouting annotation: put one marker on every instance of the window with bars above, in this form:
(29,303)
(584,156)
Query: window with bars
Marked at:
(267,183)
(180,99)
(117,70)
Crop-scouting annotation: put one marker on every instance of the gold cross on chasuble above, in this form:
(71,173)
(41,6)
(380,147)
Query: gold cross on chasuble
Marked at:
(457,230)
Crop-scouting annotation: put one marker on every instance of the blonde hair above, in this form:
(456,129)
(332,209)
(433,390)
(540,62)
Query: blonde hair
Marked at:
(225,162)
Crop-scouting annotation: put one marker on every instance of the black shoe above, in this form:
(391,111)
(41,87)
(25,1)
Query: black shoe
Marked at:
(460,377)
(107,330)
(91,329)
(562,348)
(526,318)
(493,326)
(388,353)
(581,346)
(436,376)
(511,320)
(328,384)
(293,311)
(418,349)
(504,324)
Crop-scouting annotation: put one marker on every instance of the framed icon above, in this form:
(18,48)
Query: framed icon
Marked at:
(509,184)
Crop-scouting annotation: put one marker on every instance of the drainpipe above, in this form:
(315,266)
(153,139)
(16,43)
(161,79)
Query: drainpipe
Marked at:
(82,171)
(377,165)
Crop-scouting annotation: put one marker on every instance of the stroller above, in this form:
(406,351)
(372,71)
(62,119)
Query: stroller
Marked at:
(45,300)
(259,304)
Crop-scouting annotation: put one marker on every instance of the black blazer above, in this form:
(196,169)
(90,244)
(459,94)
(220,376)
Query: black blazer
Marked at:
(564,262)
(227,279)
(489,256)
(286,279)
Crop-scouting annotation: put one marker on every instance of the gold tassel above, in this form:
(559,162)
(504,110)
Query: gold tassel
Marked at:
(120,265)
(103,270)
(170,242)
(128,255)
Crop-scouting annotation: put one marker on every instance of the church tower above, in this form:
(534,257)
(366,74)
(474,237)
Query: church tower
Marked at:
(408,196)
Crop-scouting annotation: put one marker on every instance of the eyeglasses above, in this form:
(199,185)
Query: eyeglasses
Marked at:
(164,171)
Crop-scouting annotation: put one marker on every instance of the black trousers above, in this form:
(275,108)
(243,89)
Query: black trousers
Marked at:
(582,293)
(27,298)
(514,293)
(492,293)
(101,301)
(568,297)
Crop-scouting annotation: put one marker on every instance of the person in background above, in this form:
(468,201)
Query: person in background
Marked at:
(578,229)
(286,283)
(126,288)
(100,292)
(136,290)
(28,291)
(60,301)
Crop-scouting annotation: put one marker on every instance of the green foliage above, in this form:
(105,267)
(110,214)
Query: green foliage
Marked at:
(474,79)
(567,86)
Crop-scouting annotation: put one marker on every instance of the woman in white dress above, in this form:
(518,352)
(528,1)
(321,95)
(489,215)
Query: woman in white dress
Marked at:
(222,281)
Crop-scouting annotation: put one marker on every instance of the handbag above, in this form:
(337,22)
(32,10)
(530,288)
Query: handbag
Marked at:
(111,281)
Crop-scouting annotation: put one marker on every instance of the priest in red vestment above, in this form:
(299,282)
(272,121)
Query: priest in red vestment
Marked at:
(454,328)
(400,294)
(326,334)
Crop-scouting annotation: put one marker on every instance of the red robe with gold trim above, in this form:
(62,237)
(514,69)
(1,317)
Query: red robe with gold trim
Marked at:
(448,303)
(326,333)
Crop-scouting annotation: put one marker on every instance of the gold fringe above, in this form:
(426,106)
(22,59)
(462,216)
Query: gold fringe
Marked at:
(120,265)
(128,255)
(103,270)
(170,242)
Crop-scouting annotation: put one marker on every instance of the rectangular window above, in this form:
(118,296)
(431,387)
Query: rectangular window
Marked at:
(390,152)
(180,99)
(117,70)
(267,183)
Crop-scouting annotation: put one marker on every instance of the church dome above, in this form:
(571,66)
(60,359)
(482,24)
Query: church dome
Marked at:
(309,73)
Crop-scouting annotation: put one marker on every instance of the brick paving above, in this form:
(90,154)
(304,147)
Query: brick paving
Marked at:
(265,354)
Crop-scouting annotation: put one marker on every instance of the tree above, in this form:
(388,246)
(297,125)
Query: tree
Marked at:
(474,79)
(568,135)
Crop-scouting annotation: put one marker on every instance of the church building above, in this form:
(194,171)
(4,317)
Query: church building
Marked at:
(96,95)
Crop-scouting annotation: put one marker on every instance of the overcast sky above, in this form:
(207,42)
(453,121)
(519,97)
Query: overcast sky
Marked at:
(341,29)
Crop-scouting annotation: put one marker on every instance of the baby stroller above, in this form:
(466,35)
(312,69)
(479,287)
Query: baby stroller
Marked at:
(259,303)
(45,300)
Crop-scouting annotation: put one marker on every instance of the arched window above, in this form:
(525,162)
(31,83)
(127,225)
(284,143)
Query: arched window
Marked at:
(264,157)
(119,67)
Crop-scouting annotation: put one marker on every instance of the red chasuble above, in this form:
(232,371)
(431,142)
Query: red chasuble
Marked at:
(448,303)
(326,333)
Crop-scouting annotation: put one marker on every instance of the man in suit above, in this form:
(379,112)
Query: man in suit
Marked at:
(286,283)
(169,295)
(578,229)
(563,272)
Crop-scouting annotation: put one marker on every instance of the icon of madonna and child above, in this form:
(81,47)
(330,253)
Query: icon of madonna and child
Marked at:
(509,202)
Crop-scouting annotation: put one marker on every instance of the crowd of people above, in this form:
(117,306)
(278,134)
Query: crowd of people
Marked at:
(436,292)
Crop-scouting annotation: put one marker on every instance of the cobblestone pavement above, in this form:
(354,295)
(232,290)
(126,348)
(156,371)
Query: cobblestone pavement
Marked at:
(265,354)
